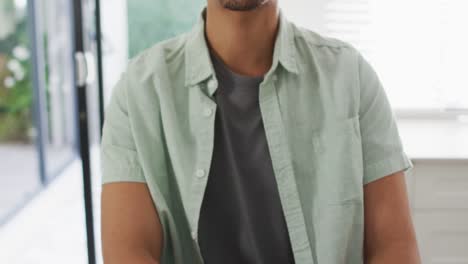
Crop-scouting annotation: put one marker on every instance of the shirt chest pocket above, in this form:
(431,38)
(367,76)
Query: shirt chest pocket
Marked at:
(337,161)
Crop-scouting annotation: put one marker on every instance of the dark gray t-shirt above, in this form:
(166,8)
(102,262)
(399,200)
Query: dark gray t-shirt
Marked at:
(241,219)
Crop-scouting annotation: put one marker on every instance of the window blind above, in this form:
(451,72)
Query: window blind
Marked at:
(419,48)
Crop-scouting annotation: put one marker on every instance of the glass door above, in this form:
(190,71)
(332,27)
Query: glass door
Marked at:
(49,122)
(90,111)
(19,160)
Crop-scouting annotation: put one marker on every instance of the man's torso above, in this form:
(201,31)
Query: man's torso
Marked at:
(309,103)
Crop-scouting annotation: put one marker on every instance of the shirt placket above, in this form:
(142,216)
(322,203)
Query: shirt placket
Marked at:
(205,123)
(283,170)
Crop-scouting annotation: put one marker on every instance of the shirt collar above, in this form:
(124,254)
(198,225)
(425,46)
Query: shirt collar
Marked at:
(197,59)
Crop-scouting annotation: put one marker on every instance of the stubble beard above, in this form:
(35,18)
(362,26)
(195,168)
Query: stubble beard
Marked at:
(242,5)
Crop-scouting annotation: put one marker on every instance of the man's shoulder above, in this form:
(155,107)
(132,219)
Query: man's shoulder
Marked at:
(158,55)
(314,47)
(314,38)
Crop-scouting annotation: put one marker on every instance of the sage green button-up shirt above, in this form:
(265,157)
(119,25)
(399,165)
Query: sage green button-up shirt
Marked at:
(328,123)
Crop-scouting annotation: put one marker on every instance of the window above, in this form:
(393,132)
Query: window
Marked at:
(419,48)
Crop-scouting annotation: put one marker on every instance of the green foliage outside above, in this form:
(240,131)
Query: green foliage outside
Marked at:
(15,83)
(151,21)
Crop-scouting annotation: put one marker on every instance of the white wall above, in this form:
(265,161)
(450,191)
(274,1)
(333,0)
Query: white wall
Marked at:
(115,42)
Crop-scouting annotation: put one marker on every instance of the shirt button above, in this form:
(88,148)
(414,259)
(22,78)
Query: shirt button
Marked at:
(207,112)
(194,234)
(200,173)
(211,84)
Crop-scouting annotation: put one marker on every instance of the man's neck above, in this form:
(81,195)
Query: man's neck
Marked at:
(244,40)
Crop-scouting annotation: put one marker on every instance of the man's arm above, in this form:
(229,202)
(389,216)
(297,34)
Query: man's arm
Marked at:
(130,226)
(389,232)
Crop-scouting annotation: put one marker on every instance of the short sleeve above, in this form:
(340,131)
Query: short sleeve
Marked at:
(119,159)
(383,153)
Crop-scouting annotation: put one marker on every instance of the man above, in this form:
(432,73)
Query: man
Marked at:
(251,140)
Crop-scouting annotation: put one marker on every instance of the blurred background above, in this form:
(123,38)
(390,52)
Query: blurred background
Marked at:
(59,60)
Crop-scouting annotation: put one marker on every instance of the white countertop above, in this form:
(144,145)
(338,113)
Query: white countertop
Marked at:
(434,139)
